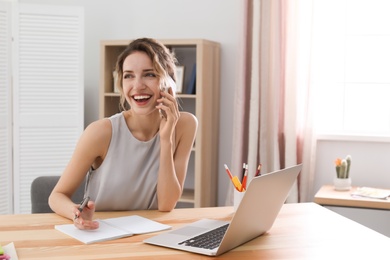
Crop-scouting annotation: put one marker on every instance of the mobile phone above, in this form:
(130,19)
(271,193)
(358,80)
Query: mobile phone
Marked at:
(165,84)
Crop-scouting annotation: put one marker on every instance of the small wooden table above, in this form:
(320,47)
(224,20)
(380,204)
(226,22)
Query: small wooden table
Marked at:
(328,196)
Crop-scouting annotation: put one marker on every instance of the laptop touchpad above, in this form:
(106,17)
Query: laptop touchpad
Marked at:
(188,231)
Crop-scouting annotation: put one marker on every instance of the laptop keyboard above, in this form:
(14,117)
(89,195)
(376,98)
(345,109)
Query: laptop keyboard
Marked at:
(208,240)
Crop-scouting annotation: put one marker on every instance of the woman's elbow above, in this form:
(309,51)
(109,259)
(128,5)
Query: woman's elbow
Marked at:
(166,207)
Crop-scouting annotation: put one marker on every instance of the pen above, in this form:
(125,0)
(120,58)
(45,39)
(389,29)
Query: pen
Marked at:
(258,170)
(243,172)
(236,182)
(228,172)
(244,179)
(83,203)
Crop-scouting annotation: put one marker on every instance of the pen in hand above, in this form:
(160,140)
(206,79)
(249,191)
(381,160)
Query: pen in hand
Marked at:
(83,203)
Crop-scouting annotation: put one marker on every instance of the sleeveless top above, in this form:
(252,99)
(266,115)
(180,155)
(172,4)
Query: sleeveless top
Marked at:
(127,178)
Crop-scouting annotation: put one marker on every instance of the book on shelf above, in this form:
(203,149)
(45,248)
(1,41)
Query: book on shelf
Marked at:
(191,88)
(113,228)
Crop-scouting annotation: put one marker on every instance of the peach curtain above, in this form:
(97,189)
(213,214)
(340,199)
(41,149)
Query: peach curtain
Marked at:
(272,102)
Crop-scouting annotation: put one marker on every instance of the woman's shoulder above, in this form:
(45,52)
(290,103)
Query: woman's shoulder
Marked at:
(187,123)
(96,138)
(188,119)
(105,124)
(99,129)
(188,116)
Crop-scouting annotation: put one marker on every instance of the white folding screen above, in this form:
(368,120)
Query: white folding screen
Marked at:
(48,93)
(5,110)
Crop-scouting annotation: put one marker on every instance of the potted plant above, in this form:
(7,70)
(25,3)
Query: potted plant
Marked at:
(342,181)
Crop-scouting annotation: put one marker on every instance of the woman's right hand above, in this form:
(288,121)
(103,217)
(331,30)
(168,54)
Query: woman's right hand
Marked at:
(83,220)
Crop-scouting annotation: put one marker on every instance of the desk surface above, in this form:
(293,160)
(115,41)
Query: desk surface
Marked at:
(327,195)
(301,231)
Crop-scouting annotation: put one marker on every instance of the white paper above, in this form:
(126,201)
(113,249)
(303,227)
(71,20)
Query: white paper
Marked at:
(11,251)
(104,232)
(371,193)
(113,228)
(136,224)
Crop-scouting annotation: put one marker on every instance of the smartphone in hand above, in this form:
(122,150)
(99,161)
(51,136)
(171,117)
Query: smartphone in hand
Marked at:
(167,83)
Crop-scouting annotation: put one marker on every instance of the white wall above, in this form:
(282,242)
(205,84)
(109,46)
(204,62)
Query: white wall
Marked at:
(370,161)
(216,20)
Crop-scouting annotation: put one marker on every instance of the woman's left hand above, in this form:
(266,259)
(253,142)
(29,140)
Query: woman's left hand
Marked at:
(169,106)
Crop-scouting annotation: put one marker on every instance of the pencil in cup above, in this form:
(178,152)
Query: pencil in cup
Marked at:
(234,179)
(244,178)
(258,170)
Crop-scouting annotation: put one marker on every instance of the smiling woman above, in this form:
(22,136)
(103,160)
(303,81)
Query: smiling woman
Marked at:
(140,84)
(201,182)
(143,54)
(135,159)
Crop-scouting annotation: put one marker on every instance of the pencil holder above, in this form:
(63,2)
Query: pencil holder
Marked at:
(237,198)
(342,184)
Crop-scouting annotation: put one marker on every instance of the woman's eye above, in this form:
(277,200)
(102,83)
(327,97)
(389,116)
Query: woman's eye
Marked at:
(150,75)
(127,76)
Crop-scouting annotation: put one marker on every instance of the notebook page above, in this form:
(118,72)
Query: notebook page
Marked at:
(103,233)
(136,224)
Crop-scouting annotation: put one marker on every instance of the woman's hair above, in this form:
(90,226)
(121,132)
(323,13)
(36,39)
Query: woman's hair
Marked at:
(162,59)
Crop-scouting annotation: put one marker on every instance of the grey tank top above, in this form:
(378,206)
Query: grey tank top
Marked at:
(127,178)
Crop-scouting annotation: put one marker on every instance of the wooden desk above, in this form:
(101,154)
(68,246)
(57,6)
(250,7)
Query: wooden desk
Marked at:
(301,231)
(327,195)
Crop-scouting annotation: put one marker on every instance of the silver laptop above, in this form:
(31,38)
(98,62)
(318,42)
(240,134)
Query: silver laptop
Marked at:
(254,216)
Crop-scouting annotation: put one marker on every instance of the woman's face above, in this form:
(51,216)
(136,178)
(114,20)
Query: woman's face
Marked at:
(141,85)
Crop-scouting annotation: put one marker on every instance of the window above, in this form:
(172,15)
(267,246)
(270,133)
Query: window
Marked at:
(351,67)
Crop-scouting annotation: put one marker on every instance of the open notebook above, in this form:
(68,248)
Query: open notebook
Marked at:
(113,228)
(254,216)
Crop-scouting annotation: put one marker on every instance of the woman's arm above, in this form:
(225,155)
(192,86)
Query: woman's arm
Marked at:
(90,151)
(173,163)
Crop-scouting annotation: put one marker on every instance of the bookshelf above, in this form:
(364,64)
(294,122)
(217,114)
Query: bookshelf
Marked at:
(200,188)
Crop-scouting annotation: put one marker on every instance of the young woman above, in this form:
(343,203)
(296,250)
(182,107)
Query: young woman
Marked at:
(136,159)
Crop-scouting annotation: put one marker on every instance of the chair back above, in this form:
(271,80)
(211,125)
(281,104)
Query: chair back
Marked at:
(41,188)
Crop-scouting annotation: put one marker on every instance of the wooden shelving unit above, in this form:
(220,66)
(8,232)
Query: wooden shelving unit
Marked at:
(201,182)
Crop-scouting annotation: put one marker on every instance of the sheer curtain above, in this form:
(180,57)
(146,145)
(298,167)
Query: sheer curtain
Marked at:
(273,100)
